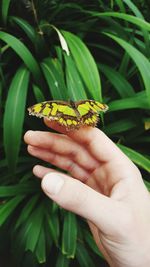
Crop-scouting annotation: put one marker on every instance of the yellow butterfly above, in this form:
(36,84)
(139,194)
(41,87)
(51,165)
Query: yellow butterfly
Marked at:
(70,114)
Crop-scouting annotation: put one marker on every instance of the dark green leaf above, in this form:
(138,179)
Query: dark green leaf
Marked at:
(69,236)
(5,8)
(23,52)
(6,208)
(136,157)
(14,116)
(62,261)
(83,256)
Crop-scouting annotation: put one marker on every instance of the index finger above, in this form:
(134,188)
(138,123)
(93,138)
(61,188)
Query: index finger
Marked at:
(95,141)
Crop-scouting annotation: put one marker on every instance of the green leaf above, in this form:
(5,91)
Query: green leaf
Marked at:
(38,94)
(23,52)
(136,157)
(6,208)
(122,86)
(69,236)
(62,261)
(129,18)
(139,101)
(52,221)
(147,184)
(85,64)
(140,60)
(90,241)
(75,87)
(36,38)
(25,26)
(83,256)
(19,189)
(120,126)
(54,76)
(41,247)
(33,230)
(14,116)
(26,211)
(4,10)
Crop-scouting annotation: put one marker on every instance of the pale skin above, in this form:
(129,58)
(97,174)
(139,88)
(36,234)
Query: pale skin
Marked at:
(102,185)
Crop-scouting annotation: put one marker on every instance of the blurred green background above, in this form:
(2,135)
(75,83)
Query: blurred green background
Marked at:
(57,49)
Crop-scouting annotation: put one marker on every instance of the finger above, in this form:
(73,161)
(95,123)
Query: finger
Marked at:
(77,197)
(94,140)
(41,171)
(63,145)
(61,162)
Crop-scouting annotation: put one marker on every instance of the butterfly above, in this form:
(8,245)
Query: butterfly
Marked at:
(71,114)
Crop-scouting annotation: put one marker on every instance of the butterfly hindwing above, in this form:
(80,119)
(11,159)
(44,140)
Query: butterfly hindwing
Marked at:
(69,114)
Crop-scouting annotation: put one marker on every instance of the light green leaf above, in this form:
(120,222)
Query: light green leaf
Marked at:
(85,64)
(75,87)
(54,76)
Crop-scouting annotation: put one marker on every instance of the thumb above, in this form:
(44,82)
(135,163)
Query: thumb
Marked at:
(79,198)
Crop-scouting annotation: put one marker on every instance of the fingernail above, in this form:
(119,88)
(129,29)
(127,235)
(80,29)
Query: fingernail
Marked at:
(52,183)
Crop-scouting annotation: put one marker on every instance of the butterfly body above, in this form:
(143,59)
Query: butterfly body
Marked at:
(70,114)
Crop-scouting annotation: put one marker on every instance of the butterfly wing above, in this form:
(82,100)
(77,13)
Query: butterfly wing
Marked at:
(89,110)
(59,111)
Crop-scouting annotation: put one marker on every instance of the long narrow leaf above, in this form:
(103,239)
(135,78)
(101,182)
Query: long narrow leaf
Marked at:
(86,65)
(35,225)
(7,208)
(14,116)
(62,261)
(140,60)
(136,157)
(41,247)
(76,91)
(20,189)
(122,86)
(129,18)
(120,126)
(83,256)
(5,8)
(54,77)
(69,237)
(132,102)
(23,52)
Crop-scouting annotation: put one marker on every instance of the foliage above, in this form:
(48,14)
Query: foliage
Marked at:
(66,50)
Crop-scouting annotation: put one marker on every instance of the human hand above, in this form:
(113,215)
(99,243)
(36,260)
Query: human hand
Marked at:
(104,187)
